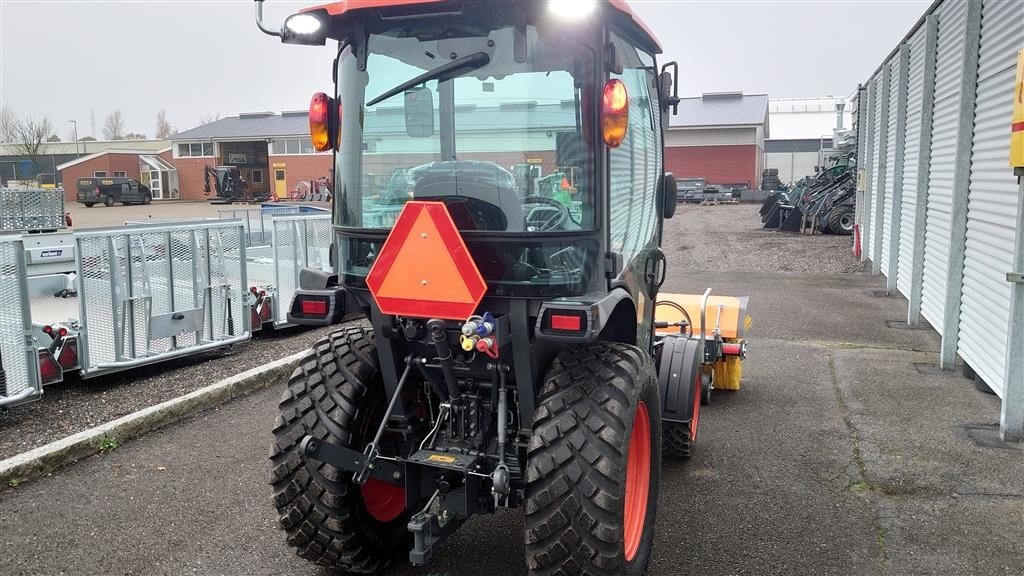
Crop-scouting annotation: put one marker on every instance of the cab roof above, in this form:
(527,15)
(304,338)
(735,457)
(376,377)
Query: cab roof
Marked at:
(345,7)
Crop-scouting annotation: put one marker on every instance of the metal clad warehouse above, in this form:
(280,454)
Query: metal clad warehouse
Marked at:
(941,213)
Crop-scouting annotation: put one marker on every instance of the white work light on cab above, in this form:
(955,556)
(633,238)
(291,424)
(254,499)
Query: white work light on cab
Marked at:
(571,9)
(303,24)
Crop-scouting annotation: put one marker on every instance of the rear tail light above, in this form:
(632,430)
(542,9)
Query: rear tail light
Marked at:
(49,370)
(565,322)
(68,356)
(316,307)
(322,121)
(614,112)
(48,330)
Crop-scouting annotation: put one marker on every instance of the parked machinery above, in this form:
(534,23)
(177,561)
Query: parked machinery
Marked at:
(820,203)
(511,355)
(228,186)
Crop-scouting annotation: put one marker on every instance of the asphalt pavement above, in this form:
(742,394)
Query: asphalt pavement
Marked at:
(846,452)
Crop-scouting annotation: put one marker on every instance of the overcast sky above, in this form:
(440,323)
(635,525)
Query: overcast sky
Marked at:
(193,58)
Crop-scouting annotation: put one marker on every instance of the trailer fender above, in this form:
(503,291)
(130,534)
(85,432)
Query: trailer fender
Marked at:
(678,373)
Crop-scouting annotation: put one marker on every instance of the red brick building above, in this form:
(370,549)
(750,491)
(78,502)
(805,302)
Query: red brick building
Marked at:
(719,137)
(272,151)
(152,168)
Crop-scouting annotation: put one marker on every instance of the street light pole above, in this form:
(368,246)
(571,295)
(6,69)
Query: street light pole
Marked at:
(75,123)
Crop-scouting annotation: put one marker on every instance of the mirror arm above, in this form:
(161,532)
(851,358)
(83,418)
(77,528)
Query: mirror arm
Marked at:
(259,20)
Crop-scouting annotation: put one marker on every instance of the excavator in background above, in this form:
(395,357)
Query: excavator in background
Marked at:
(229,186)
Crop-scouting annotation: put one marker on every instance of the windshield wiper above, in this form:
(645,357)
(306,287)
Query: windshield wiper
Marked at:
(446,71)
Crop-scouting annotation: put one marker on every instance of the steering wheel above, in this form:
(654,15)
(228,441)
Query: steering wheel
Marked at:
(552,215)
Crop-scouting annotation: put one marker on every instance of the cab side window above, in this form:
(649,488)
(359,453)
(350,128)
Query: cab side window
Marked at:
(635,165)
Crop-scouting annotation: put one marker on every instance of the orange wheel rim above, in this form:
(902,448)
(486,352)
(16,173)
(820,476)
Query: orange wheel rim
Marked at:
(698,390)
(638,482)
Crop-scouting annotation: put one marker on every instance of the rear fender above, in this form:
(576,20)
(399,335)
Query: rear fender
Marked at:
(602,320)
(319,300)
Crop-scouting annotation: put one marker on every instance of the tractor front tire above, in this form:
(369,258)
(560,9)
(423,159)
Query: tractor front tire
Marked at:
(336,395)
(593,464)
(841,221)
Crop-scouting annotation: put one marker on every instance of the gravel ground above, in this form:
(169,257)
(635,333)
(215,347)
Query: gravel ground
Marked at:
(729,238)
(75,404)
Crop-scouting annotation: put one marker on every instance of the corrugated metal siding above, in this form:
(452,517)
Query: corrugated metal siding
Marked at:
(890,160)
(876,136)
(945,126)
(911,160)
(992,200)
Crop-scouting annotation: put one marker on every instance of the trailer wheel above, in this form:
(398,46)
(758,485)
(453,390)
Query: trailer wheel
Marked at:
(108,201)
(336,395)
(593,463)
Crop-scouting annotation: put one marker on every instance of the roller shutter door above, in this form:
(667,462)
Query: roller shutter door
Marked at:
(876,136)
(912,159)
(945,126)
(890,160)
(992,200)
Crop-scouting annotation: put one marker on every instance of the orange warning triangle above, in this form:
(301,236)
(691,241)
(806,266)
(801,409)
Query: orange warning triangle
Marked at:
(418,273)
(424,269)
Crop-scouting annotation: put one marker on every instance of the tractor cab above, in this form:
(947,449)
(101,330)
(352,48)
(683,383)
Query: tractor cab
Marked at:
(499,196)
(445,102)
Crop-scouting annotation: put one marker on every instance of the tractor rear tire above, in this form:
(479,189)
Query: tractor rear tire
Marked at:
(336,395)
(593,464)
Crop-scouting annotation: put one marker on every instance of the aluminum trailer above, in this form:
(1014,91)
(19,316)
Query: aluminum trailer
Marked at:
(148,292)
(38,215)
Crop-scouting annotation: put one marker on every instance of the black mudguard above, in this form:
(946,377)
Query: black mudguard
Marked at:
(678,374)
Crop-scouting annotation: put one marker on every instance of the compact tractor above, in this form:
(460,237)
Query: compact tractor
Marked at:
(510,354)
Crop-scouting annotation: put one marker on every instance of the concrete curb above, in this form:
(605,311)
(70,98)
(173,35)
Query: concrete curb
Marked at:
(45,459)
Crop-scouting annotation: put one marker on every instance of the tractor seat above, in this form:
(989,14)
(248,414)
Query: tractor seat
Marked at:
(479,195)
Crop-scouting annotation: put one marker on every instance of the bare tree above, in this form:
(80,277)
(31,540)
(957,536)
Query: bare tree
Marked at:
(53,138)
(113,126)
(208,119)
(30,135)
(8,125)
(163,126)
(134,136)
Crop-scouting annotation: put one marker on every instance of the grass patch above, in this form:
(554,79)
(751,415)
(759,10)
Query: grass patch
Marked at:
(860,487)
(108,444)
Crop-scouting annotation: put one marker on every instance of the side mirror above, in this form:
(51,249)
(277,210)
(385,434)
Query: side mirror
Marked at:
(669,195)
(669,84)
(419,112)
